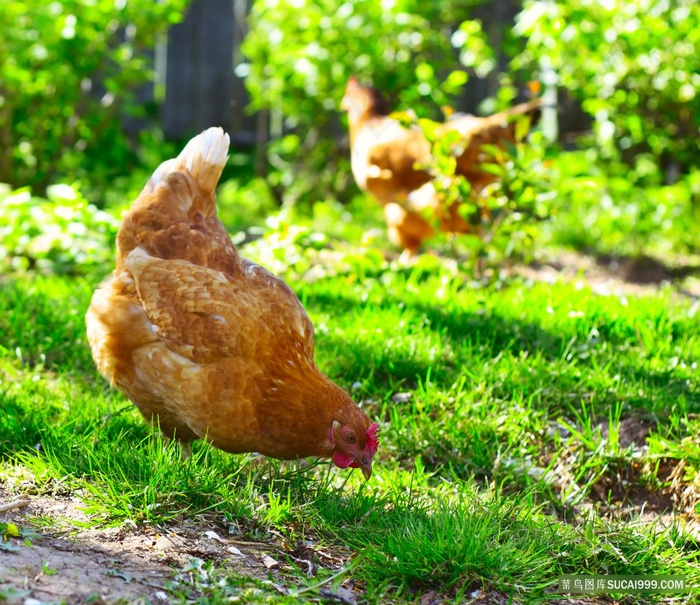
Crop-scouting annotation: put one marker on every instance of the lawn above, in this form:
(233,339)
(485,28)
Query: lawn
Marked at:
(529,429)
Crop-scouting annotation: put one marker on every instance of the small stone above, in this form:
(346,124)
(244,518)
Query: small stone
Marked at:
(163,543)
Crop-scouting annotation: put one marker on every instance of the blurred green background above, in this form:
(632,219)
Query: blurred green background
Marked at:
(93,95)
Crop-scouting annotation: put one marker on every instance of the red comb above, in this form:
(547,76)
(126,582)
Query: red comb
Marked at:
(373,438)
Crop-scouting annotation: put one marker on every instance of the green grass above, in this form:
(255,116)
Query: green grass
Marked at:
(502,470)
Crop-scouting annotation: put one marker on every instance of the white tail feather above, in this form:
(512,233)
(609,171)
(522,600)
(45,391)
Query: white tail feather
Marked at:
(204,157)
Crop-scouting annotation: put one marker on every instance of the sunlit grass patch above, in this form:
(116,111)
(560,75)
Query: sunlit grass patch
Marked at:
(515,420)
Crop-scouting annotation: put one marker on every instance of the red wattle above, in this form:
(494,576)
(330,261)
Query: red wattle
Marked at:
(343,460)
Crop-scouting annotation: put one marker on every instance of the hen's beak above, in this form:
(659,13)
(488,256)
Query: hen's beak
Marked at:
(366,468)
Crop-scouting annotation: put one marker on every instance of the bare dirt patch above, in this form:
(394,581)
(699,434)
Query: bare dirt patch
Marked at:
(613,276)
(105,565)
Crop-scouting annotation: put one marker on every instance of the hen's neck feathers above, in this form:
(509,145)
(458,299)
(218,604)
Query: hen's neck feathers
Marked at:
(365,105)
(300,401)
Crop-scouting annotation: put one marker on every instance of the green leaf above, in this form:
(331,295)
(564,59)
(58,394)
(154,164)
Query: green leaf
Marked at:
(455,81)
(522,127)
(424,72)
(429,128)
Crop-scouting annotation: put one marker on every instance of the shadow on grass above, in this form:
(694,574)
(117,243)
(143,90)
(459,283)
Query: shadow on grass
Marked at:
(21,428)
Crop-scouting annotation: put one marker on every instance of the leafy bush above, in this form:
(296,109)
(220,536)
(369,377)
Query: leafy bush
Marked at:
(633,64)
(69,70)
(301,54)
(60,234)
(504,215)
(602,210)
(323,239)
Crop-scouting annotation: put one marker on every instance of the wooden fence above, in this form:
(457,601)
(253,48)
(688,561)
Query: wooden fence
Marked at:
(201,87)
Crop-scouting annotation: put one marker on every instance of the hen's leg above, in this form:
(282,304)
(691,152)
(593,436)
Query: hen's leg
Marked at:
(406,228)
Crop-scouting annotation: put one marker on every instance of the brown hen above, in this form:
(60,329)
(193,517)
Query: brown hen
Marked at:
(209,345)
(384,156)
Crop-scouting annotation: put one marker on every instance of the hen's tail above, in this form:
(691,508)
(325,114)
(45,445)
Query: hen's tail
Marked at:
(496,129)
(497,126)
(531,108)
(174,217)
(204,157)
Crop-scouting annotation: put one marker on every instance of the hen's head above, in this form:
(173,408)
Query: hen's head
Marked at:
(363,101)
(354,441)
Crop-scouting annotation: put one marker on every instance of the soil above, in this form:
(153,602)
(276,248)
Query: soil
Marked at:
(136,564)
(106,565)
(618,276)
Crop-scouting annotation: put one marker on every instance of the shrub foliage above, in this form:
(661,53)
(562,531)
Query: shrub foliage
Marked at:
(69,71)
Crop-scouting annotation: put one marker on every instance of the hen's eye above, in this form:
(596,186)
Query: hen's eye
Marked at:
(350,438)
